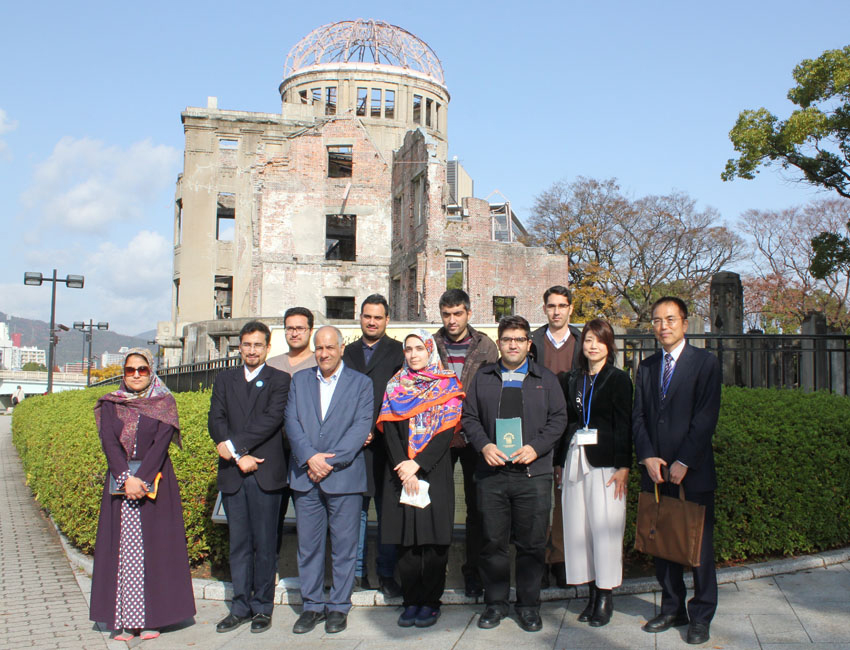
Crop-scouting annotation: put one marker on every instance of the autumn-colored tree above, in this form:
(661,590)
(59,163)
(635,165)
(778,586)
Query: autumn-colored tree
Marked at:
(624,254)
(783,289)
(105,373)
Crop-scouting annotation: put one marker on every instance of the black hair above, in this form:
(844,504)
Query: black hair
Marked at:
(453,298)
(255,326)
(299,311)
(604,333)
(683,308)
(376,299)
(560,290)
(514,323)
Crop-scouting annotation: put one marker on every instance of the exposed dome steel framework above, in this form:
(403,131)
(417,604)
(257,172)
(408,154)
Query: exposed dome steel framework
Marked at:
(364,41)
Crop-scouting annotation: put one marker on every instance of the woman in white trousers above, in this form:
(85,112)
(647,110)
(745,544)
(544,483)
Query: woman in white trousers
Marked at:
(598,451)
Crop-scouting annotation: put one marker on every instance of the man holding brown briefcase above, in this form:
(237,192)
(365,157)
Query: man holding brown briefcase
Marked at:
(676,406)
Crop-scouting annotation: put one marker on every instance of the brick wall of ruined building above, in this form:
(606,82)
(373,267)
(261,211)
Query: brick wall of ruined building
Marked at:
(293,196)
(421,251)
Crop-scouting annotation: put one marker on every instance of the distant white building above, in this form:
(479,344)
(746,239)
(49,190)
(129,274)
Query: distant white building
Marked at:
(6,347)
(113,358)
(27,355)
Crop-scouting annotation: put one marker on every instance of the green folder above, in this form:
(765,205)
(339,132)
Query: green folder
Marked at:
(508,435)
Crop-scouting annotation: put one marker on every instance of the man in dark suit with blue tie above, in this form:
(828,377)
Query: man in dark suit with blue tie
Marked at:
(328,417)
(677,403)
(245,422)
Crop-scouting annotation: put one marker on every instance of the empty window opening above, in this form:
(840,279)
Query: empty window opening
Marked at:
(330,100)
(225,217)
(178,223)
(341,237)
(177,296)
(437,115)
(389,104)
(317,95)
(503,306)
(429,106)
(303,95)
(412,295)
(454,273)
(418,199)
(361,100)
(417,109)
(228,143)
(340,161)
(376,102)
(223,295)
(339,307)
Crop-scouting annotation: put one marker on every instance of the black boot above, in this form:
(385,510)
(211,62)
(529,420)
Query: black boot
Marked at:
(587,612)
(603,609)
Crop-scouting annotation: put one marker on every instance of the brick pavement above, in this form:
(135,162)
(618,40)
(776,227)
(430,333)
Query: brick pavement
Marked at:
(41,604)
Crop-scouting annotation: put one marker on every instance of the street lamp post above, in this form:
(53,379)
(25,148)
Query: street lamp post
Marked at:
(87,329)
(36,280)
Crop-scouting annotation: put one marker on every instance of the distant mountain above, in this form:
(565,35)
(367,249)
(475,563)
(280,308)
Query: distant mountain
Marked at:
(70,347)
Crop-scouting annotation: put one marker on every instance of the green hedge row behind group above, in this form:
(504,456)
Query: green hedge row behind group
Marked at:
(783,464)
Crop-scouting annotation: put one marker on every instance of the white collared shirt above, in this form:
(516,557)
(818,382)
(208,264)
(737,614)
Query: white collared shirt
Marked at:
(557,344)
(327,387)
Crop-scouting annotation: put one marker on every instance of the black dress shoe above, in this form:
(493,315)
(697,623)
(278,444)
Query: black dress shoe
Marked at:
(260,623)
(603,609)
(587,612)
(665,622)
(697,633)
(337,622)
(231,622)
(362,584)
(307,621)
(529,620)
(389,587)
(472,587)
(490,618)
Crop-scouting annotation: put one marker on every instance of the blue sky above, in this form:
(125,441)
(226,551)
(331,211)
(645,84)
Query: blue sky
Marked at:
(90,100)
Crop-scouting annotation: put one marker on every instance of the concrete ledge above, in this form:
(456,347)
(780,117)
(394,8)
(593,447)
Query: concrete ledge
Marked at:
(287,592)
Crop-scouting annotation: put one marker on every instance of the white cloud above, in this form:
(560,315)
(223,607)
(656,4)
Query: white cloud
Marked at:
(132,283)
(86,185)
(6,124)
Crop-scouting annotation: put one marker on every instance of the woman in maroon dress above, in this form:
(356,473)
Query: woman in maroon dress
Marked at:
(141,579)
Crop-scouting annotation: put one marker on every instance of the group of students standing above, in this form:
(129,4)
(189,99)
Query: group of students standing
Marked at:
(388,420)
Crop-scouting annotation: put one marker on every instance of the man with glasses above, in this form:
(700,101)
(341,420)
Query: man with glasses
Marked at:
(245,420)
(677,403)
(556,346)
(523,398)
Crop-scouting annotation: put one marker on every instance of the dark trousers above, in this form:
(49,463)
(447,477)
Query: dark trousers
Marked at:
(468,458)
(422,570)
(513,506)
(252,515)
(670,575)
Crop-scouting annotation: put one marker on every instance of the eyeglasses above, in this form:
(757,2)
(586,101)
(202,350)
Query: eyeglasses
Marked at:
(252,346)
(507,340)
(295,330)
(144,371)
(670,320)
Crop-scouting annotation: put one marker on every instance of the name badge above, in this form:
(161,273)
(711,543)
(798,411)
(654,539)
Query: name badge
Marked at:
(586,437)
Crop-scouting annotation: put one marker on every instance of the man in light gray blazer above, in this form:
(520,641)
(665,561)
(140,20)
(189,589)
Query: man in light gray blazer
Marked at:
(328,417)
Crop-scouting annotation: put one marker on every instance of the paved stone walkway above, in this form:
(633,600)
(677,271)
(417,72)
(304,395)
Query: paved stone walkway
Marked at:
(43,605)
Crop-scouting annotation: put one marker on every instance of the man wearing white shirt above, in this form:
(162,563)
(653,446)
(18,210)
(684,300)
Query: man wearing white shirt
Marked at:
(245,422)
(556,347)
(328,417)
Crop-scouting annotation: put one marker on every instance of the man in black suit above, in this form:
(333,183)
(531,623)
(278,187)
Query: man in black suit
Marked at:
(379,357)
(677,403)
(245,422)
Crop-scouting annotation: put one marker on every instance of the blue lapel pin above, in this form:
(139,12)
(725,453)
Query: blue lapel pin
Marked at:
(260,384)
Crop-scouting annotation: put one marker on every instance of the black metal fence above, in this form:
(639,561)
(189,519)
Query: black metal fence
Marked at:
(807,361)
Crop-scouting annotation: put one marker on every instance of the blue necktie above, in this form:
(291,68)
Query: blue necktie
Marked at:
(668,374)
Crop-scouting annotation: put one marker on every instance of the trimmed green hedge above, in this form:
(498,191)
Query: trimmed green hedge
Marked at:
(783,464)
(65,466)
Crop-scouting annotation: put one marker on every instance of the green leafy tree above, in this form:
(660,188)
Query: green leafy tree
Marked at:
(32,366)
(815,139)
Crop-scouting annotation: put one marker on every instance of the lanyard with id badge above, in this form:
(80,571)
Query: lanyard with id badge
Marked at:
(585,435)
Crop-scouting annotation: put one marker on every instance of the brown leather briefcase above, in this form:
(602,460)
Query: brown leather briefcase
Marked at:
(670,528)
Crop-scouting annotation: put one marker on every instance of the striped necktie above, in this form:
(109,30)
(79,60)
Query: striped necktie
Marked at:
(668,374)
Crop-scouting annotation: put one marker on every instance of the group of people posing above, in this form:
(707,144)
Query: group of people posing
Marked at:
(533,417)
